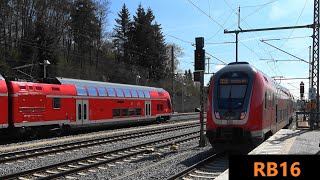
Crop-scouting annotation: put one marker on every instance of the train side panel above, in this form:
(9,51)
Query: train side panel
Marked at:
(102,109)
(40,104)
(35,104)
(3,103)
(255,125)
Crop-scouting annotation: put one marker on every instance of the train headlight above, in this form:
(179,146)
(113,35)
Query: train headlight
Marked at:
(217,115)
(243,115)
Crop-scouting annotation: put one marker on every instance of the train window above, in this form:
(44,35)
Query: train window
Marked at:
(115,112)
(127,93)
(81,91)
(147,94)
(119,93)
(22,87)
(134,93)
(273,100)
(92,91)
(269,100)
(138,111)
(54,89)
(132,112)
(111,92)
(79,112)
(231,96)
(56,103)
(102,91)
(265,100)
(140,93)
(84,112)
(124,112)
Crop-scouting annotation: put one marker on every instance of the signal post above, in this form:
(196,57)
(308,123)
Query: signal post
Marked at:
(199,67)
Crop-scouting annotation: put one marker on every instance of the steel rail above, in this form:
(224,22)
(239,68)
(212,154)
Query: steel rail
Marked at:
(12,156)
(135,149)
(196,165)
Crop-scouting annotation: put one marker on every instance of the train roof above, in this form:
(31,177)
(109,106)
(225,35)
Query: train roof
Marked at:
(238,66)
(245,66)
(81,83)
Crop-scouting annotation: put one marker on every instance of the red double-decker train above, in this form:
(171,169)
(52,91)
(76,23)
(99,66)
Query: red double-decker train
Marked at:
(70,103)
(244,105)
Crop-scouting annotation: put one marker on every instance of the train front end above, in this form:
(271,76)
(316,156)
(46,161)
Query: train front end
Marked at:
(232,115)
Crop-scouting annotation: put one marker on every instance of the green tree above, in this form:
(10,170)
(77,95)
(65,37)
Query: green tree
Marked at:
(85,28)
(158,50)
(121,35)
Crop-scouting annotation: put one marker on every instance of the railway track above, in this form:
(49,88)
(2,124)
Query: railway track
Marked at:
(179,117)
(209,168)
(17,155)
(81,165)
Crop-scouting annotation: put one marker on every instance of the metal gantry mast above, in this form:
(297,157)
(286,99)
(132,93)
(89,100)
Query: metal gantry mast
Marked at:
(315,58)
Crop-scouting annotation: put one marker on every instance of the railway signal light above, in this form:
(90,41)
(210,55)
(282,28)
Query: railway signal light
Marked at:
(199,59)
(199,55)
(301,89)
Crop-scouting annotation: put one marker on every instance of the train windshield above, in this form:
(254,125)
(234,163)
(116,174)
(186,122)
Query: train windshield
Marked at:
(232,90)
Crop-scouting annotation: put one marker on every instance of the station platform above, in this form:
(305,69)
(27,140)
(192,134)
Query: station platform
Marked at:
(287,141)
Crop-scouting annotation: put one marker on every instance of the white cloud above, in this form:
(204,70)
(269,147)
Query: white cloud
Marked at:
(289,8)
(278,12)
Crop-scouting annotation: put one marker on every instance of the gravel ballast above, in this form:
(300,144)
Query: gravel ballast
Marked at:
(158,165)
(25,164)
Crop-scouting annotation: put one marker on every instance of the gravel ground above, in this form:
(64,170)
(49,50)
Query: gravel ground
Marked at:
(153,166)
(9,168)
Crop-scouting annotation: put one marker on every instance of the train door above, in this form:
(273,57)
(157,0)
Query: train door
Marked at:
(82,111)
(273,113)
(147,109)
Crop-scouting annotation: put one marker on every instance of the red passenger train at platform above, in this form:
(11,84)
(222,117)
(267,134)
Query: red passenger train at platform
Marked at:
(244,105)
(69,103)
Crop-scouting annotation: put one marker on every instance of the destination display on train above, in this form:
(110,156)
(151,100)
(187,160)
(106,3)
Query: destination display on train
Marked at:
(233,81)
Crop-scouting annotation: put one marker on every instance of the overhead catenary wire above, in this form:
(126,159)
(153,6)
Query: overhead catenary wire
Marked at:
(251,6)
(254,37)
(216,58)
(295,24)
(222,27)
(278,39)
(250,14)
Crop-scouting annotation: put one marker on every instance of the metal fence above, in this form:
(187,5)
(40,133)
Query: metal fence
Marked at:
(307,120)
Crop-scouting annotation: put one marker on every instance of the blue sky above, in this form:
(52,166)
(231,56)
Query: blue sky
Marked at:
(184,21)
